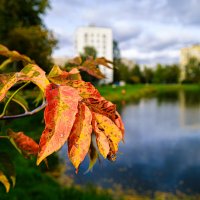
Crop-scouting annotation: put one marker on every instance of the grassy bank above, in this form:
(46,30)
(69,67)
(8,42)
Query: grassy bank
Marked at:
(131,92)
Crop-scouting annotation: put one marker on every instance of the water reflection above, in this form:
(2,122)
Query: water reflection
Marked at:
(160,151)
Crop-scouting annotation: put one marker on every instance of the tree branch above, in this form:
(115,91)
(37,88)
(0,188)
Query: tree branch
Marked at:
(10,98)
(28,113)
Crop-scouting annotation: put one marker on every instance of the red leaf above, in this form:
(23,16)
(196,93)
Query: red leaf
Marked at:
(24,143)
(80,136)
(59,114)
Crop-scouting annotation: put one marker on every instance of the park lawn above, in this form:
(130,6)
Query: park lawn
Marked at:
(136,91)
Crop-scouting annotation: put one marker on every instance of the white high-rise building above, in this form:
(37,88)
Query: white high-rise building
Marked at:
(186,54)
(102,40)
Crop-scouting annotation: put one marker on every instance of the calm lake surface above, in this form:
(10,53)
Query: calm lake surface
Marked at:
(161,150)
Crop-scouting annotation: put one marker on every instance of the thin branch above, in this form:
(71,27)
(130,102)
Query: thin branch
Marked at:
(4,137)
(36,110)
(10,98)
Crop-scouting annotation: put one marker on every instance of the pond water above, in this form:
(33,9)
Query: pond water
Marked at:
(161,150)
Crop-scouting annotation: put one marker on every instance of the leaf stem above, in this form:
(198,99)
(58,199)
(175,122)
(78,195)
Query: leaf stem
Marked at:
(28,113)
(10,98)
(6,62)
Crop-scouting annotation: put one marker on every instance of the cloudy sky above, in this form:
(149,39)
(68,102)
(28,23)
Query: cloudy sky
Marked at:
(148,31)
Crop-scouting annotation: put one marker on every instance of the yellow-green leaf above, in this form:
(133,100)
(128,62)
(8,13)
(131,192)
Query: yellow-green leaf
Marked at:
(103,61)
(93,156)
(80,136)
(7,167)
(111,131)
(59,115)
(14,55)
(76,61)
(101,140)
(30,72)
(4,181)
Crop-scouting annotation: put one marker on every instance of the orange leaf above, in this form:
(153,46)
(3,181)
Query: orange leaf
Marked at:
(4,180)
(102,140)
(85,89)
(59,115)
(24,143)
(102,106)
(90,67)
(80,136)
(112,132)
(103,61)
(30,72)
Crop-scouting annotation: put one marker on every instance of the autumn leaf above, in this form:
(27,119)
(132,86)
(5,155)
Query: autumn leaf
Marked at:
(76,61)
(93,156)
(80,136)
(7,167)
(120,125)
(59,76)
(111,131)
(91,68)
(14,55)
(24,144)
(59,115)
(102,106)
(85,89)
(34,73)
(30,72)
(101,140)
(103,61)
(4,180)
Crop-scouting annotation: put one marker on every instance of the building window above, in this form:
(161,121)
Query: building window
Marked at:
(86,37)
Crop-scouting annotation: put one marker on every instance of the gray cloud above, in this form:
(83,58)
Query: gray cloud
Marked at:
(142,26)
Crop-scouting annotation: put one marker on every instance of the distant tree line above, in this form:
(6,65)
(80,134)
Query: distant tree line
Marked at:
(137,74)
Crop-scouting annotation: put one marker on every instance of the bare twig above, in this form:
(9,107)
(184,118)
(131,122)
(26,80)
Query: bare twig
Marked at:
(28,113)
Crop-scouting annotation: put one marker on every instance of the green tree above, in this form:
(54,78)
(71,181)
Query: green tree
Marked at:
(172,73)
(193,71)
(159,74)
(117,62)
(89,51)
(22,29)
(136,75)
(148,75)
